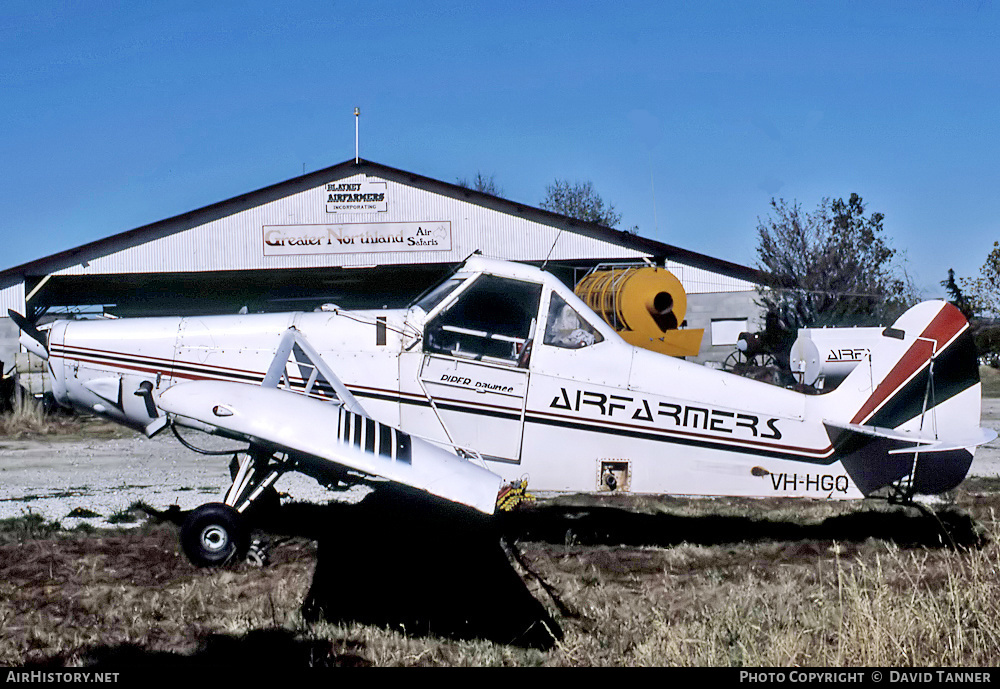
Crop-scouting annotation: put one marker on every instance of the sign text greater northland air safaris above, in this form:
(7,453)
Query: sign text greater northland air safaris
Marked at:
(354,238)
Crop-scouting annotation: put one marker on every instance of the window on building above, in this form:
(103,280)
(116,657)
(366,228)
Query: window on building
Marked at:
(726,331)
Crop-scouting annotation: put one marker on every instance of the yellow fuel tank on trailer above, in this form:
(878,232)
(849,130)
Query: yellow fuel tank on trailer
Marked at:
(645,305)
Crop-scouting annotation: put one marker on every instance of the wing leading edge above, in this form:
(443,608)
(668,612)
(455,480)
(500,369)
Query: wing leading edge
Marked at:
(316,429)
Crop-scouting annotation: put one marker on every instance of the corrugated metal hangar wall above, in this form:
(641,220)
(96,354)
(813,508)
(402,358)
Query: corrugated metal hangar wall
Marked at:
(358,234)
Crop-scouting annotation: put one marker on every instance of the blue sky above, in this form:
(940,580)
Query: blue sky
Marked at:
(688,117)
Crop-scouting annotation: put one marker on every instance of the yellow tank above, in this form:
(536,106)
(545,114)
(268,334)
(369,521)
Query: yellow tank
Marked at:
(645,306)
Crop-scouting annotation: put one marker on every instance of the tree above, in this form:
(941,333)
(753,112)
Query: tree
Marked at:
(984,291)
(983,295)
(482,183)
(830,267)
(579,201)
(956,297)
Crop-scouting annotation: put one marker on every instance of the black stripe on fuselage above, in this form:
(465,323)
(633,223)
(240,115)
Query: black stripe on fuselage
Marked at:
(608,430)
(679,440)
(478,411)
(167,366)
(358,439)
(321,389)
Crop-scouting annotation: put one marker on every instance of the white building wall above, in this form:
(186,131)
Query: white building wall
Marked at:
(236,242)
(700,281)
(12,298)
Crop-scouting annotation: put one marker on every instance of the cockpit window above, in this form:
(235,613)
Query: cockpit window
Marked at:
(438,294)
(565,328)
(492,320)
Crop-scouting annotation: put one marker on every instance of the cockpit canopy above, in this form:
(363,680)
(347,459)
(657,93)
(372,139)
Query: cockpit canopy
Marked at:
(494,318)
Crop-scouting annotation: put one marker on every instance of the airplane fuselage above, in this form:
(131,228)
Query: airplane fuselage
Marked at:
(505,361)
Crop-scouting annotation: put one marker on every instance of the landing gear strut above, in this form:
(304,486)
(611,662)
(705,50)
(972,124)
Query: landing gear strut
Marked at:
(218,533)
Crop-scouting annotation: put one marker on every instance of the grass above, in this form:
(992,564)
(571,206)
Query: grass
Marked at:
(29,526)
(28,418)
(78,598)
(990,378)
(135,512)
(781,604)
(884,608)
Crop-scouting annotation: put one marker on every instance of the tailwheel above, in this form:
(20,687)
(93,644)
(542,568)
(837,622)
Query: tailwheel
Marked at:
(214,534)
(258,555)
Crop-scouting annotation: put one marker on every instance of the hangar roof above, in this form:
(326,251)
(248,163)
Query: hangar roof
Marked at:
(222,209)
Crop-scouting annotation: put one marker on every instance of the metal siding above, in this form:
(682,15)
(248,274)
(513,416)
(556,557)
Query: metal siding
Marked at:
(701,281)
(12,298)
(235,242)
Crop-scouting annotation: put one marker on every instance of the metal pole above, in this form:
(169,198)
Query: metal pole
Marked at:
(357,115)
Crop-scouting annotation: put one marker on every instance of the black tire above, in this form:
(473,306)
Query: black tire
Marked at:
(213,535)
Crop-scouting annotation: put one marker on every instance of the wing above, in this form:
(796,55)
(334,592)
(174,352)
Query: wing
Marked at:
(339,432)
(298,424)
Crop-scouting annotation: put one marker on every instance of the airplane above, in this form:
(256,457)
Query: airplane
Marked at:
(501,373)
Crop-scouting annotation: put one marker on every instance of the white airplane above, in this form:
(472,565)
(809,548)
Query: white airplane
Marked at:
(501,372)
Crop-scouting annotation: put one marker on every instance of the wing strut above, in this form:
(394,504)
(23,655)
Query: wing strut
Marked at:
(311,365)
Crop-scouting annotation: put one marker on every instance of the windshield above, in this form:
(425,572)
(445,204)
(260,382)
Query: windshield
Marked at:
(438,294)
(492,320)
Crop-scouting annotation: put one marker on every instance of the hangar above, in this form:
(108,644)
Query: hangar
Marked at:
(359,235)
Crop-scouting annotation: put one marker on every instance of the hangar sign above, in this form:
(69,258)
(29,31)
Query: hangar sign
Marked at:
(356,197)
(354,238)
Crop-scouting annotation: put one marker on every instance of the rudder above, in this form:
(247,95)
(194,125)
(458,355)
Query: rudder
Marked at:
(920,389)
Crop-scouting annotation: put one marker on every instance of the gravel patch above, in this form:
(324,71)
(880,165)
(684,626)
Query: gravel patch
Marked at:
(52,478)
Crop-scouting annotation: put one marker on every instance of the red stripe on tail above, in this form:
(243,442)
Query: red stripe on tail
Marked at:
(942,329)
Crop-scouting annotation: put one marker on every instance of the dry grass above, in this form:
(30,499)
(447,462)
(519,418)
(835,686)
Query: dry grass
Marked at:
(29,418)
(784,604)
(790,606)
(130,596)
(990,378)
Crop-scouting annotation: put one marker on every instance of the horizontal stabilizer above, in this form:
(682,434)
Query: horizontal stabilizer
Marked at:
(298,424)
(922,442)
(876,457)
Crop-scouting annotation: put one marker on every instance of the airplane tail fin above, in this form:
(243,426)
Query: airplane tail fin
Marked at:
(909,414)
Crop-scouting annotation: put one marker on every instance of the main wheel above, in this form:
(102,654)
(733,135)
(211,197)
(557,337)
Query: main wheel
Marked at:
(213,535)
